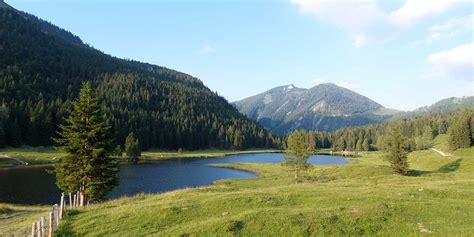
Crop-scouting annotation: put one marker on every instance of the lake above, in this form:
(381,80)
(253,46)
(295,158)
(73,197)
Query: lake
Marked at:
(34,185)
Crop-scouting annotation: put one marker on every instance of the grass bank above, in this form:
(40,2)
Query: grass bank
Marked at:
(16,220)
(10,157)
(362,198)
(163,155)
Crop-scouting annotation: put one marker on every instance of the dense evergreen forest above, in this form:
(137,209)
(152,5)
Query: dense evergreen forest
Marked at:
(42,68)
(419,131)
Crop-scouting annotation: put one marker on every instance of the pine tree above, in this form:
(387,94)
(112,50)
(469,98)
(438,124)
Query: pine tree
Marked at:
(427,136)
(310,142)
(459,134)
(395,147)
(380,143)
(87,166)
(297,154)
(365,145)
(132,147)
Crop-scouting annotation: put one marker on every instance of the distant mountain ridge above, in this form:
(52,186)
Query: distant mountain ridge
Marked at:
(444,105)
(328,107)
(325,107)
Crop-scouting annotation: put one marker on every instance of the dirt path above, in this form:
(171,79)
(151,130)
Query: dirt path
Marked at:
(439,152)
(15,159)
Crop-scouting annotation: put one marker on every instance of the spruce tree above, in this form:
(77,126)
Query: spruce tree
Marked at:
(311,142)
(395,147)
(132,147)
(85,136)
(297,154)
(365,145)
(459,133)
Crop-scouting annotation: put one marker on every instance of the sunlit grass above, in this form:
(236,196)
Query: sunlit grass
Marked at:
(362,198)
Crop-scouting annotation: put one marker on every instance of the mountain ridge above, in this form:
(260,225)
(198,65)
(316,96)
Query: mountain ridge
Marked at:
(324,107)
(328,107)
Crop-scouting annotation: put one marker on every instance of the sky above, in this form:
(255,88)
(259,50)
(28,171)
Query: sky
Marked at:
(402,54)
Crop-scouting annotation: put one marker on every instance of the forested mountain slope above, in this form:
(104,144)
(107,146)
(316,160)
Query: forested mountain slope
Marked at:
(42,68)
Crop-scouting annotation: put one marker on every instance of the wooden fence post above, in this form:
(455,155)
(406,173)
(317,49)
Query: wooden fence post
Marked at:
(70,200)
(33,229)
(56,216)
(42,222)
(38,228)
(61,206)
(82,199)
(50,226)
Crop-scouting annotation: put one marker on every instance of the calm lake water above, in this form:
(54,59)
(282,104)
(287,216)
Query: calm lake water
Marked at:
(34,185)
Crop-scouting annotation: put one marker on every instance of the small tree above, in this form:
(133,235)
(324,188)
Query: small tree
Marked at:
(132,147)
(118,151)
(85,136)
(311,142)
(395,147)
(297,154)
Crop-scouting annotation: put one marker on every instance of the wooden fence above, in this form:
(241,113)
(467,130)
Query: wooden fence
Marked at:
(42,229)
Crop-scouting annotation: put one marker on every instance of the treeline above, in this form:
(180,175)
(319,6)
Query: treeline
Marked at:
(419,133)
(43,67)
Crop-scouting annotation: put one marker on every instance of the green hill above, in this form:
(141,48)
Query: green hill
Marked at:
(43,66)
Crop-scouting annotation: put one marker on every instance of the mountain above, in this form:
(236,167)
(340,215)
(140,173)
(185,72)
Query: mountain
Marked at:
(325,107)
(442,106)
(43,66)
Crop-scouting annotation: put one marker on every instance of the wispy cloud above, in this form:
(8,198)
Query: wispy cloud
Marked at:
(415,10)
(456,63)
(366,22)
(450,29)
(206,49)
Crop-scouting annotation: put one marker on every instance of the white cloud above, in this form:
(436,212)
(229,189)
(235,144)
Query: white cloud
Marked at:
(451,28)
(355,17)
(456,63)
(415,10)
(360,41)
(206,49)
(349,85)
(365,21)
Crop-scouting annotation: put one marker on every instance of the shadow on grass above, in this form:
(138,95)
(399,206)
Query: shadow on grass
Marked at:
(451,167)
(448,168)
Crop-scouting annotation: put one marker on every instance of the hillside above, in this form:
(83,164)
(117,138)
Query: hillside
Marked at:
(43,66)
(442,106)
(325,107)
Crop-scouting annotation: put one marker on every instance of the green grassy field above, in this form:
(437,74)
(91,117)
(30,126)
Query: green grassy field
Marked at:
(362,198)
(31,155)
(10,157)
(16,220)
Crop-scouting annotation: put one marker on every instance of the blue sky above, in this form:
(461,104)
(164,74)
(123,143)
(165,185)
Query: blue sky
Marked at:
(402,54)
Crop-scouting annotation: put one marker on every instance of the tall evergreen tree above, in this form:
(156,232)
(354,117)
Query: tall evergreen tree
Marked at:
(395,147)
(297,154)
(459,134)
(310,142)
(85,136)
(132,147)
